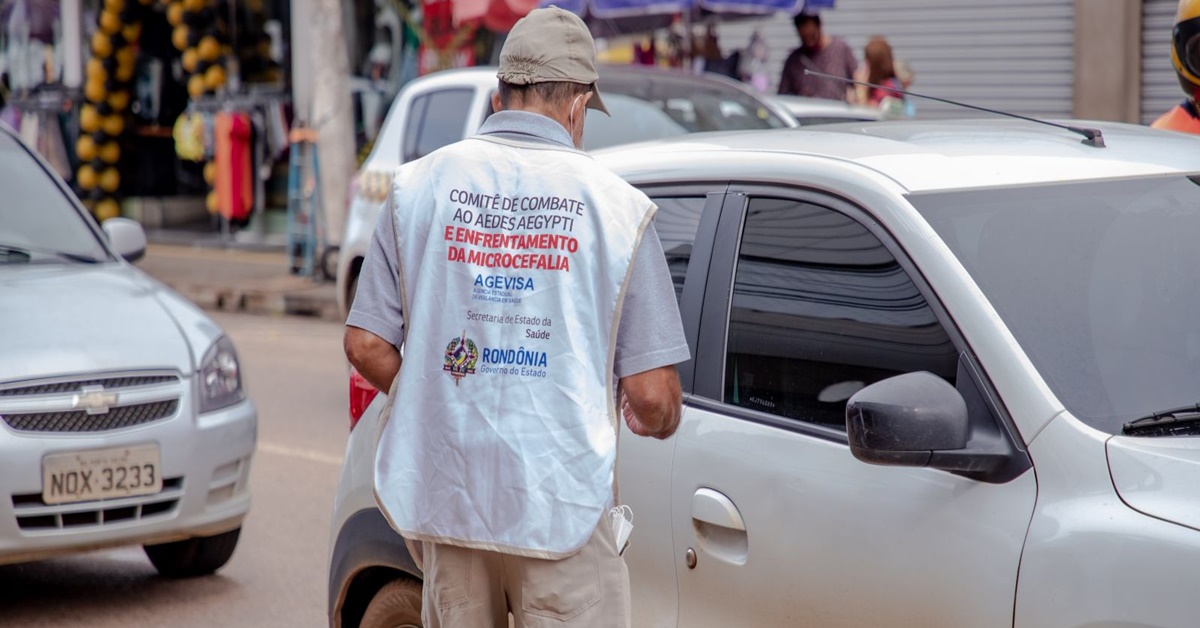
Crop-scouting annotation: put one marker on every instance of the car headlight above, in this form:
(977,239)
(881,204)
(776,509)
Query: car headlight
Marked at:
(220,377)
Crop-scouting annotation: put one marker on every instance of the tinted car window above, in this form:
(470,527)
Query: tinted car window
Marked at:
(676,223)
(38,222)
(821,309)
(1097,283)
(437,120)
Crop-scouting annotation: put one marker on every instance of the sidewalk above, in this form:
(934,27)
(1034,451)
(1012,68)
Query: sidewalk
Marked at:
(239,281)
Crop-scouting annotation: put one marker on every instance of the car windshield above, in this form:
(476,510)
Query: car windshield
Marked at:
(632,120)
(1097,282)
(38,223)
(696,105)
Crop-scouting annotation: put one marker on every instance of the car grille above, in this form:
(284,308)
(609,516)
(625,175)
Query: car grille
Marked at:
(34,515)
(80,421)
(59,406)
(109,383)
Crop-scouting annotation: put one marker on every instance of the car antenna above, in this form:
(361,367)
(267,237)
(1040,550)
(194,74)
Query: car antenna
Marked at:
(1094,136)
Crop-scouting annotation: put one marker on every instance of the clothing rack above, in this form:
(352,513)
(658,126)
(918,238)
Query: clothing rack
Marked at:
(254,103)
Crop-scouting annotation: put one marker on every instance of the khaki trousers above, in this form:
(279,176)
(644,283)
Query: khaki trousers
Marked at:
(469,588)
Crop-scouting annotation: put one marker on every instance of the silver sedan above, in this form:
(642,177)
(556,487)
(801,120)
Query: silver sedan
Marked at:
(123,419)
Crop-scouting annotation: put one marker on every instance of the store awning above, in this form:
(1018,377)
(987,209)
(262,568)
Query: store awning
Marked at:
(607,9)
(615,16)
(496,15)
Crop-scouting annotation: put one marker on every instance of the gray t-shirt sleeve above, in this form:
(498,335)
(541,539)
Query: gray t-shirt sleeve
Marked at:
(650,334)
(377,306)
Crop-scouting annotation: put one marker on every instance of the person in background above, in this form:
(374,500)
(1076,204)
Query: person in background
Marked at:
(878,69)
(497,461)
(1185,56)
(818,52)
(754,62)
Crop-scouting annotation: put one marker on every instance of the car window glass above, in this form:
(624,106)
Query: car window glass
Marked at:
(412,127)
(676,223)
(820,310)
(445,115)
(38,222)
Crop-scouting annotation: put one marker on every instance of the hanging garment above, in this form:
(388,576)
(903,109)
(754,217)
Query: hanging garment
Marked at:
(189,136)
(234,182)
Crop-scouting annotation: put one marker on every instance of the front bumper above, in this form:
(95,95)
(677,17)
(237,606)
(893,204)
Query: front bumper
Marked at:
(205,466)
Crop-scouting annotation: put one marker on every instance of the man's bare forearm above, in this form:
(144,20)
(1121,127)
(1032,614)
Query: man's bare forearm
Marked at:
(376,359)
(655,400)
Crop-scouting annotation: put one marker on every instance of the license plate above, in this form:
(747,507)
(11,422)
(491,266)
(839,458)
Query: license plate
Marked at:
(101,474)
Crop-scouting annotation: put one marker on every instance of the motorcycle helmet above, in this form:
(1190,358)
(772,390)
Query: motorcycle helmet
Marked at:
(1185,47)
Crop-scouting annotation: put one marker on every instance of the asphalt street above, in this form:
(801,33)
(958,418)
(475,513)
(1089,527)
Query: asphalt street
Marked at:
(296,373)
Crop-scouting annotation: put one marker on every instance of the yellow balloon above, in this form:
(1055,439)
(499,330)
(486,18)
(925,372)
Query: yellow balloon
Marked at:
(114,6)
(195,86)
(210,172)
(214,77)
(211,202)
(179,37)
(124,73)
(85,148)
(118,100)
(194,6)
(189,60)
(126,56)
(110,23)
(114,125)
(110,153)
(95,69)
(86,178)
(89,119)
(94,91)
(209,48)
(101,45)
(146,3)
(110,180)
(175,13)
(132,32)
(107,208)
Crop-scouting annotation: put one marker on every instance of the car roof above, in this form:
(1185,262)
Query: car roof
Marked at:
(931,155)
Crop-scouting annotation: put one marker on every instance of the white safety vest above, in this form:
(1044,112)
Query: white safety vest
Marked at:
(514,259)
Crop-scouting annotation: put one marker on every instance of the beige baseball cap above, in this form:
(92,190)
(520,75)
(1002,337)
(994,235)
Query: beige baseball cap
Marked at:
(550,45)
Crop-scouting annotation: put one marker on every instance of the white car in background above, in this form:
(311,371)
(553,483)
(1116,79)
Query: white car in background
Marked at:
(443,108)
(123,420)
(944,374)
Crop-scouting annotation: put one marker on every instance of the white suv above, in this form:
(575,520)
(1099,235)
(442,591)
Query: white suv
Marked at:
(944,374)
(122,415)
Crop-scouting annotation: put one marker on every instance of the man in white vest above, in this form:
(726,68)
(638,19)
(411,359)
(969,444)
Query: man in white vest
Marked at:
(529,291)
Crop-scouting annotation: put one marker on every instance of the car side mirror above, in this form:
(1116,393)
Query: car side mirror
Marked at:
(905,420)
(126,237)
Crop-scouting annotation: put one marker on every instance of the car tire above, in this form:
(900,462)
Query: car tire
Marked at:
(193,557)
(396,605)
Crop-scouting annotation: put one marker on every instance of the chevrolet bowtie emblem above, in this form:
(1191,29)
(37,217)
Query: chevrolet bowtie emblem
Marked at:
(94,400)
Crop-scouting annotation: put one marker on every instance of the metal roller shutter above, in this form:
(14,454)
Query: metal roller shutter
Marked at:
(1160,87)
(1014,55)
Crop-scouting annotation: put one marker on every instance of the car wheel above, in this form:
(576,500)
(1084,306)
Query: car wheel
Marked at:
(396,605)
(193,557)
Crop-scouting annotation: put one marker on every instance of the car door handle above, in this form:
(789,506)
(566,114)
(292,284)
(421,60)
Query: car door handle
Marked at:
(713,508)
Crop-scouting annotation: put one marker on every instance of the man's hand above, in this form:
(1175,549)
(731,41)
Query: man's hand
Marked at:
(376,359)
(651,402)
